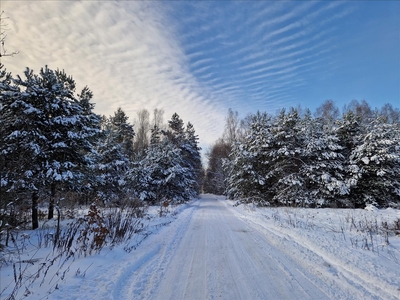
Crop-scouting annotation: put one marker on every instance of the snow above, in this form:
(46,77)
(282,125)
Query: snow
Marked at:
(209,249)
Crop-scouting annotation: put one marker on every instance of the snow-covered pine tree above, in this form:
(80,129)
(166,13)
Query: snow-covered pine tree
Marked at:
(286,159)
(114,161)
(349,129)
(161,176)
(48,128)
(92,122)
(140,173)
(12,161)
(322,164)
(249,164)
(377,156)
(123,131)
(187,142)
(176,132)
(8,94)
(192,159)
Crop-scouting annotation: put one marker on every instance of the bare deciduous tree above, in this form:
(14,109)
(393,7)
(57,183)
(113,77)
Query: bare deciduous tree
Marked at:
(158,118)
(327,112)
(232,127)
(360,109)
(3,35)
(142,125)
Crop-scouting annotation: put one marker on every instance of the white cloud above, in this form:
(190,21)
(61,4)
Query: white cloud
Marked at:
(124,51)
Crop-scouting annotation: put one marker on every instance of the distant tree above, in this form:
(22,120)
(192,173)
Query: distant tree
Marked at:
(361,109)
(215,176)
(327,112)
(232,127)
(142,132)
(389,114)
(158,118)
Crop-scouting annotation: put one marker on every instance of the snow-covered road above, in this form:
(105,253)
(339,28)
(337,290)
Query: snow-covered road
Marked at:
(215,255)
(213,251)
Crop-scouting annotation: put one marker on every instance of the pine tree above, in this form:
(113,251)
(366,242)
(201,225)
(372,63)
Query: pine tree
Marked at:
(186,141)
(322,164)
(123,131)
(176,132)
(92,122)
(47,126)
(349,130)
(249,165)
(192,158)
(12,162)
(378,158)
(161,176)
(286,153)
(113,161)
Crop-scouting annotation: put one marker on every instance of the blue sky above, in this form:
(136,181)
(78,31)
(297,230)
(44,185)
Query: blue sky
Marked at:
(201,58)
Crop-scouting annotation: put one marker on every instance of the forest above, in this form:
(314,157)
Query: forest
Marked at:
(56,150)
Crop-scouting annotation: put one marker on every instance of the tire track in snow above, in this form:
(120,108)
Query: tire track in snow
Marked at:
(348,278)
(278,277)
(144,275)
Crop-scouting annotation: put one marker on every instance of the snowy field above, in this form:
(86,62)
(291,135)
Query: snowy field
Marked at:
(211,249)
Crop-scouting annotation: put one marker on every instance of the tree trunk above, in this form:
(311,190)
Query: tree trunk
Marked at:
(35,221)
(51,202)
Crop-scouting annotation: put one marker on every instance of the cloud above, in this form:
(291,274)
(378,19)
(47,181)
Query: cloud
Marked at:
(124,51)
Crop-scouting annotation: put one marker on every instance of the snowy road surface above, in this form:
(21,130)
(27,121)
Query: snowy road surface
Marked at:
(211,252)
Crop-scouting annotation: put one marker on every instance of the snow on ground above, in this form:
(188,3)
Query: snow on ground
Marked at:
(210,249)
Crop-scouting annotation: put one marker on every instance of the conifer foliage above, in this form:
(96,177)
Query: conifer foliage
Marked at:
(171,168)
(298,160)
(46,134)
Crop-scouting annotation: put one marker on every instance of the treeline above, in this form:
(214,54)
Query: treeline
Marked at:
(54,148)
(295,158)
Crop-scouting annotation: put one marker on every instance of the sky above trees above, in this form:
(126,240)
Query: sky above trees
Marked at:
(200,58)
